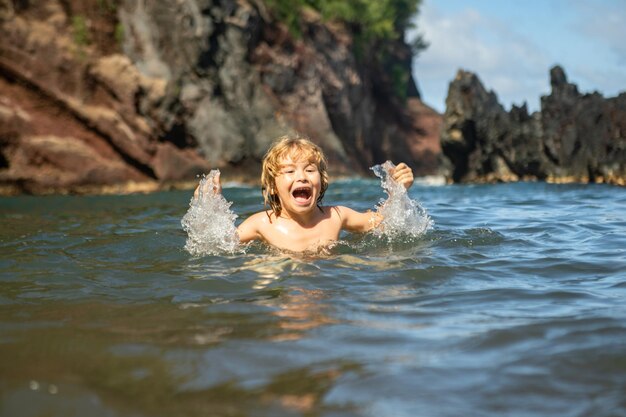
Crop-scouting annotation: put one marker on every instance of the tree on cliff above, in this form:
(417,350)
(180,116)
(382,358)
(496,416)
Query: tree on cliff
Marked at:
(373,19)
(376,25)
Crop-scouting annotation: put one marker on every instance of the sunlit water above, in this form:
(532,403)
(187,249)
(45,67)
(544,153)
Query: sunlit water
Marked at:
(513,304)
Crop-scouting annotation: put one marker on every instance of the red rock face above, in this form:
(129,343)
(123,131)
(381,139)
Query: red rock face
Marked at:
(71,114)
(94,94)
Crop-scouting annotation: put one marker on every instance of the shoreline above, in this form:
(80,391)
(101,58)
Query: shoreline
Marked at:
(148,187)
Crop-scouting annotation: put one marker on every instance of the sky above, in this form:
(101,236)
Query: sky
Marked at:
(512,44)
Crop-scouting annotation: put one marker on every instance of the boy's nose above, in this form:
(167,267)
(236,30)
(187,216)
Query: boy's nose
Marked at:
(300,176)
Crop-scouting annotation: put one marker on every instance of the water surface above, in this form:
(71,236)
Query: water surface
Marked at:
(513,304)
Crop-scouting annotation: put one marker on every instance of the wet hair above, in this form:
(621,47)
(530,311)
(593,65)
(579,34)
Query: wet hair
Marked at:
(298,149)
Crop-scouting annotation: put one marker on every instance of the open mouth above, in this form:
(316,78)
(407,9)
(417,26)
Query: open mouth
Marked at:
(302,195)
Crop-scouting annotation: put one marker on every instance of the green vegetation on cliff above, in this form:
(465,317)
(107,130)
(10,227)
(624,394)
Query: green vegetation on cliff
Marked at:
(371,20)
(375,24)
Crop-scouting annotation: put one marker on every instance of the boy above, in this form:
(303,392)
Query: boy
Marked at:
(294,180)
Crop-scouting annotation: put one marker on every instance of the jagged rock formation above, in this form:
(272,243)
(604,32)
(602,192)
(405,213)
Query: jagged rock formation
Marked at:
(574,138)
(104,92)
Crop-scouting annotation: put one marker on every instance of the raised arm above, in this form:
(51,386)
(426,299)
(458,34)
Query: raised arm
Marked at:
(216,187)
(248,230)
(209,222)
(403,174)
(355,221)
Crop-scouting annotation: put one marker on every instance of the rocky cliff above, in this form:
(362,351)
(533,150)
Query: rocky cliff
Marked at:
(573,138)
(130,95)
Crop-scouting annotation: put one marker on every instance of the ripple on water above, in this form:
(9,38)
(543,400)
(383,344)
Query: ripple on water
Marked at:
(511,305)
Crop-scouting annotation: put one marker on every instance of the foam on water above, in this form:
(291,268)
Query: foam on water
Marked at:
(209,222)
(402,216)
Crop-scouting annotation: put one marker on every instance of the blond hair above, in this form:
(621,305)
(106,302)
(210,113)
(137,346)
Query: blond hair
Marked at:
(299,149)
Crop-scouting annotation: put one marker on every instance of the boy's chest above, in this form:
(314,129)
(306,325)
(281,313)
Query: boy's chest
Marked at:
(294,237)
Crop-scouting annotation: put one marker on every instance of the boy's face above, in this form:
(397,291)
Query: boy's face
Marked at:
(298,185)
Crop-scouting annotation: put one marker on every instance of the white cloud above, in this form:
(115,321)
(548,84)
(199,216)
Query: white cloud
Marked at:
(506,61)
(604,25)
(606,22)
(513,53)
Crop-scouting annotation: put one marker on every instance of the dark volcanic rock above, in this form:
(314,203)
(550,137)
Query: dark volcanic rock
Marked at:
(94,93)
(584,135)
(574,137)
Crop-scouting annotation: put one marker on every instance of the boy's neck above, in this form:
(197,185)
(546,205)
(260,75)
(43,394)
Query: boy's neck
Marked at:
(307,219)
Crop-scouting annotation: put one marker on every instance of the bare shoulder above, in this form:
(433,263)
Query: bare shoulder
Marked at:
(252,227)
(260,219)
(346,212)
(338,212)
(341,210)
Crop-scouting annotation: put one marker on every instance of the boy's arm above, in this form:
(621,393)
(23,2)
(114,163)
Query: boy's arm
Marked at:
(403,174)
(355,221)
(248,230)
(217,186)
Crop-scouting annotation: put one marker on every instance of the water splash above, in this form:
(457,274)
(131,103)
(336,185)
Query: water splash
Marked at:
(209,222)
(402,216)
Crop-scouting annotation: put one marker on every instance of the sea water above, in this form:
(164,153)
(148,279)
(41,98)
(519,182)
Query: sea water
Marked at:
(511,303)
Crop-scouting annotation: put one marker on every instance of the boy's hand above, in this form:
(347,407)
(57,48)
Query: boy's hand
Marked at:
(216,186)
(403,174)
